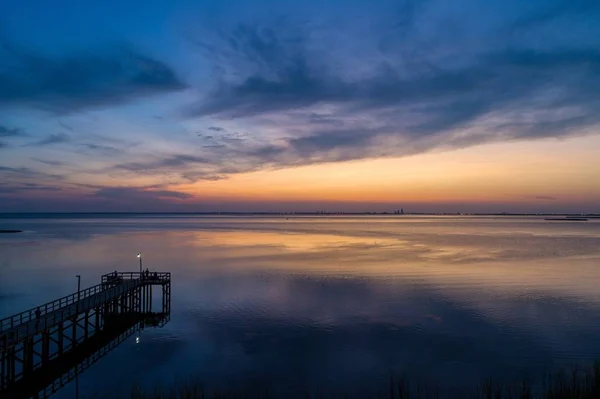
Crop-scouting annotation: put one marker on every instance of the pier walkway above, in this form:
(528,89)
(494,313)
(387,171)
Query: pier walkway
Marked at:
(31,342)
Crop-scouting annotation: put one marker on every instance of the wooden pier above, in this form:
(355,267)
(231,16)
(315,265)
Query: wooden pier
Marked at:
(39,346)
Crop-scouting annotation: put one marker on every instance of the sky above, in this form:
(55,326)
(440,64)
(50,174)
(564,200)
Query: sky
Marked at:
(328,105)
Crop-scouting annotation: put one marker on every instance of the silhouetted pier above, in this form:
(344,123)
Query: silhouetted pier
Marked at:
(39,348)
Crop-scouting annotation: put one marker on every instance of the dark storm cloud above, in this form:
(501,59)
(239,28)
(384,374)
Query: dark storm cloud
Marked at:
(76,81)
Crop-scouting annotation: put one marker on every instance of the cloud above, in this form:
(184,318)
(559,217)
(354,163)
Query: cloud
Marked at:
(19,188)
(216,129)
(552,10)
(3,145)
(49,162)
(11,132)
(19,170)
(164,163)
(101,149)
(57,138)
(19,178)
(181,167)
(132,194)
(397,105)
(429,102)
(39,195)
(67,127)
(321,119)
(83,80)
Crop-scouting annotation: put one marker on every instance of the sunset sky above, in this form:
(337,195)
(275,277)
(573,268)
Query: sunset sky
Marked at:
(180,105)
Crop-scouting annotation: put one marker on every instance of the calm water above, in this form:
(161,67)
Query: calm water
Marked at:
(331,304)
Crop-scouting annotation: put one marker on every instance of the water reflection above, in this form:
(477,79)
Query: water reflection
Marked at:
(47,379)
(333,304)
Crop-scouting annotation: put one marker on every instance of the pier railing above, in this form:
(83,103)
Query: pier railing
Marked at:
(154,277)
(58,311)
(58,304)
(28,315)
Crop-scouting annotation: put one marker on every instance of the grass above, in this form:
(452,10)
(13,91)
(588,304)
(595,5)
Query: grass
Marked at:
(572,384)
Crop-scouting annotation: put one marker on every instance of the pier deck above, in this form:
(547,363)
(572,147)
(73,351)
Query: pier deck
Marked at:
(33,340)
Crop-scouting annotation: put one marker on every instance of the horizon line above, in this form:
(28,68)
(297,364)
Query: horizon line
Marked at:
(315,213)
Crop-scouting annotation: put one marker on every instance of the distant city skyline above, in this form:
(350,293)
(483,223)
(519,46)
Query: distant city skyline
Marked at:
(274,106)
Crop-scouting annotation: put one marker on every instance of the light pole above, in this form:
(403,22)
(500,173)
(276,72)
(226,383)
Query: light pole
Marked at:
(140,258)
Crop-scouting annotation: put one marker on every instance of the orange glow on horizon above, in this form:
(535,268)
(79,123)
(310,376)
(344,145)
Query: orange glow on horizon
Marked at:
(504,172)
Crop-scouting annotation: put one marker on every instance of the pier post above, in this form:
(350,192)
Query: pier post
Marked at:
(10,365)
(28,356)
(74,332)
(45,347)
(97,315)
(86,324)
(2,369)
(61,337)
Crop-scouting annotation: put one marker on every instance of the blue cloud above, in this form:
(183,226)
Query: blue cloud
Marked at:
(11,132)
(49,162)
(78,81)
(401,105)
(57,138)
(216,129)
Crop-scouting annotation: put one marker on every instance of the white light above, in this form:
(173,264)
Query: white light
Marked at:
(137,340)
(139,255)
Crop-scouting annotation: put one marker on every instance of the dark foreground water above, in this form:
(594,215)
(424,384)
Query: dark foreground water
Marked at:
(329,304)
